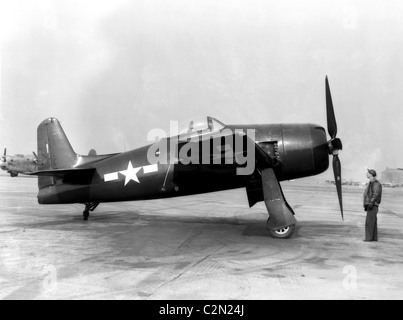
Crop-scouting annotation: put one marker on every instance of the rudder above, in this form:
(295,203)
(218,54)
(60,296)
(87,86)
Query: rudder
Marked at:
(54,150)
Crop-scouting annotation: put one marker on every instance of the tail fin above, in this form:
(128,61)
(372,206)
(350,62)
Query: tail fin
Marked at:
(54,150)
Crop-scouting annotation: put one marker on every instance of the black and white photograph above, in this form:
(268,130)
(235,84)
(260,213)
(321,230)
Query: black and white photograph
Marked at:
(212,151)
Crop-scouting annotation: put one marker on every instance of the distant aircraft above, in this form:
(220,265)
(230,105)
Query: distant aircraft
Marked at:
(280,152)
(18,163)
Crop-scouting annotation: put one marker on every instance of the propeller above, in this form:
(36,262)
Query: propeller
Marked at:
(36,157)
(334,144)
(3,158)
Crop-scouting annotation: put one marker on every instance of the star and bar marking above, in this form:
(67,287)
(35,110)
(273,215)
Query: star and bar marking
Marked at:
(130,173)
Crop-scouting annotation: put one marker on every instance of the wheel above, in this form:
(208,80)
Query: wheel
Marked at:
(86,214)
(283,233)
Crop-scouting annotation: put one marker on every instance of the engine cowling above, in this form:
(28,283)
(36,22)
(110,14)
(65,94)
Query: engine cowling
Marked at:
(302,149)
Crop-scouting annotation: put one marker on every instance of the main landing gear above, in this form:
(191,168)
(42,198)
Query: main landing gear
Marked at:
(282,233)
(89,206)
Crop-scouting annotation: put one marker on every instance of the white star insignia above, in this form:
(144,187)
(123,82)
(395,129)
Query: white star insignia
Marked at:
(130,173)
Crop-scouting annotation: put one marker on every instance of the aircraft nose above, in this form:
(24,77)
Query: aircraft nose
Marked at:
(319,148)
(3,163)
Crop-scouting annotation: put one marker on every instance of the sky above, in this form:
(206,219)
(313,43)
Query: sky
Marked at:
(111,71)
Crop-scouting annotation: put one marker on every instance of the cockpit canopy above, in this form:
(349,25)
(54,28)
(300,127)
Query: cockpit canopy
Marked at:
(199,126)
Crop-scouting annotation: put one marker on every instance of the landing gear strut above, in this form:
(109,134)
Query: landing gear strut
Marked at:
(89,206)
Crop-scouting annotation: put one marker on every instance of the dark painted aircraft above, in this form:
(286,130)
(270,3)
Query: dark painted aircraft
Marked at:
(280,152)
(18,163)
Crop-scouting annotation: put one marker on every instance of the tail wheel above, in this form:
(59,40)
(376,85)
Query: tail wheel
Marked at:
(86,214)
(89,206)
(282,233)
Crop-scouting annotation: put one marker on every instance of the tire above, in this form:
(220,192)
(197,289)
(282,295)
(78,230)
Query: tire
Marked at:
(283,233)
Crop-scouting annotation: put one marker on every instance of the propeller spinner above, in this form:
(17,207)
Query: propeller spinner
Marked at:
(334,144)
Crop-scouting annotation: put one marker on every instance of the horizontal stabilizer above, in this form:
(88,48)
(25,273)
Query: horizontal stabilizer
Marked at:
(73,176)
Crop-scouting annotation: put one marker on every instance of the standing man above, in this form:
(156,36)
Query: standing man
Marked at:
(372,199)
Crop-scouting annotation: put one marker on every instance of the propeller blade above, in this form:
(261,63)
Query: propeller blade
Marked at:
(331,119)
(337,180)
(35,157)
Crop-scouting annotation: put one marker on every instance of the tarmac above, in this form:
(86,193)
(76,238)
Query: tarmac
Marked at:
(210,246)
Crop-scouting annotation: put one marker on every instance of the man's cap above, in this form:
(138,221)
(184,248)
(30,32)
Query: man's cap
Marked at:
(372,172)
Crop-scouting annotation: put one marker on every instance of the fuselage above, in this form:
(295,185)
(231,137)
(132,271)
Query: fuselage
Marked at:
(301,151)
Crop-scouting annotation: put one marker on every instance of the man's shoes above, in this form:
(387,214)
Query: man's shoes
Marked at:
(367,240)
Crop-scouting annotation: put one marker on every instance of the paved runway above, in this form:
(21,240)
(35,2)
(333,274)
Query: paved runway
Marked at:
(210,246)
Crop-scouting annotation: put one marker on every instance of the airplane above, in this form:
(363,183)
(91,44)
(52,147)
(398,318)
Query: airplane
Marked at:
(280,152)
(18,163)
